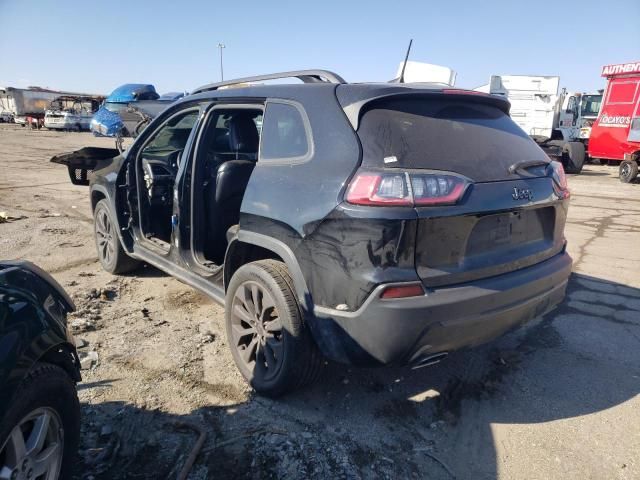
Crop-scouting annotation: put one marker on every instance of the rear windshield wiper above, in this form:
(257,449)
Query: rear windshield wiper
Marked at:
(522,167)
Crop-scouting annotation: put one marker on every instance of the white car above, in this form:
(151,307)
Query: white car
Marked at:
(70,113)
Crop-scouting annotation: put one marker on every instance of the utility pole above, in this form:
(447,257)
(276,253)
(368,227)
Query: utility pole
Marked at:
(221,46)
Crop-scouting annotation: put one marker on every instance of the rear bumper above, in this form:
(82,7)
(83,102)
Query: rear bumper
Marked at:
(407,330)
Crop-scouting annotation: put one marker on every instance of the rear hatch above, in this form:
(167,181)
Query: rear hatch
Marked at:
(509,215)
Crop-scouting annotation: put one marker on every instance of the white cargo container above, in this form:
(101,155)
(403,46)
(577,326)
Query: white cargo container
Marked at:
(31,102)
(544,111)
(26,101)
(558,120)
(533,101)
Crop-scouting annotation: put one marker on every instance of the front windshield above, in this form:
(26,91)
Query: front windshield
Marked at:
(114,107)
(590,105)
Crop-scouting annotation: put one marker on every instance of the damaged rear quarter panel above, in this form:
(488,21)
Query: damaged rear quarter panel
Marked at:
(354,249)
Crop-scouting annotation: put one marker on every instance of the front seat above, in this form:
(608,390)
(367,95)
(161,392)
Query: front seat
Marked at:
(230,183)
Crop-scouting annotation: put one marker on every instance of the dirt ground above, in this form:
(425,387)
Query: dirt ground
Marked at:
(558,399)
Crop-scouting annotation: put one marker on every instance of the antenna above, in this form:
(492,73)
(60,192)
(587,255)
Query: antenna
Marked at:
(404,65)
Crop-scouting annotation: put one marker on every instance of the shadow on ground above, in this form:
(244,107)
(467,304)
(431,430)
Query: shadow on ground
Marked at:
(435,422)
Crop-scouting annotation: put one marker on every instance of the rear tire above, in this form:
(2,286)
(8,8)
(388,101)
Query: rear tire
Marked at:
(110,252)
(270,343)
(46,392)
(573,155)
(628,171)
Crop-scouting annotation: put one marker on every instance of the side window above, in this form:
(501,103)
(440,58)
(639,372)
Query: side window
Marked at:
(231,134)
(622,92)
(172,136)
(571,105)
(284,135)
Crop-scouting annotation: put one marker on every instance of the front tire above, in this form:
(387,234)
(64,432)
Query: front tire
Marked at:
(270,343)
(628,171)
(40,431)
(110,252)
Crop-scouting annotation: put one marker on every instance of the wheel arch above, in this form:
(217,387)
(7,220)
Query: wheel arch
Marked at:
(557,134)
(97,194)
(64,356)
(247,247)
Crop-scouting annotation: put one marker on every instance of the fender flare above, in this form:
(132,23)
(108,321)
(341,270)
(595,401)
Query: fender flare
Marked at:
(105,193)
(286,254)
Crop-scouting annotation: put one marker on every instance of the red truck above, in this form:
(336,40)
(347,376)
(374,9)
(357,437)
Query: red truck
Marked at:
(615,135)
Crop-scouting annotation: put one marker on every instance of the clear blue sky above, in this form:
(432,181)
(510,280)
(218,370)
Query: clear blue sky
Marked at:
(94,46)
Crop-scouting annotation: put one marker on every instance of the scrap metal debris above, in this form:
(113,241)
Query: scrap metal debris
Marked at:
(88,360)
(184,473)
(6,218)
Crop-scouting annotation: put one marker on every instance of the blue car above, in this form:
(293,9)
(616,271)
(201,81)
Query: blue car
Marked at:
(107,120)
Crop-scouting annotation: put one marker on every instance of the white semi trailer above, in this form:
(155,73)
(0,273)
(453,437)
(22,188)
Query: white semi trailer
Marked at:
(558,120)
(26,102)
(32,102)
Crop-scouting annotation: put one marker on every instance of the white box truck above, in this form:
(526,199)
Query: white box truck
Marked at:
(558,120)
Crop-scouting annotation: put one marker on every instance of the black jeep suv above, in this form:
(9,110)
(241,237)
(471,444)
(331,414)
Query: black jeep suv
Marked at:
(369,223)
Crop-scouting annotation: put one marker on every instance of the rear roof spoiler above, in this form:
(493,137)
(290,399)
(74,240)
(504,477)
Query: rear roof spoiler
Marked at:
(353,109)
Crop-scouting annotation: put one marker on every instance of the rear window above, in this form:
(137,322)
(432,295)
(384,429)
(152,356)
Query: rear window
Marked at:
(473,139)
(622,92)
(284,133)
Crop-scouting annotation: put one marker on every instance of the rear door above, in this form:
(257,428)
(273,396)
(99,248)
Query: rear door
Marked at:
(508,218)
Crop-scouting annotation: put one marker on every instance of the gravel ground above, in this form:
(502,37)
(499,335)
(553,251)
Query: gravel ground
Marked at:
(558,399)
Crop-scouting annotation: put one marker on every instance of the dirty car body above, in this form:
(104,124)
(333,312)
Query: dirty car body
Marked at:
(413,219)
(39,369)
(33,310)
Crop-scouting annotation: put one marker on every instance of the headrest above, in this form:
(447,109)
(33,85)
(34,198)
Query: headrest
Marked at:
(243,134)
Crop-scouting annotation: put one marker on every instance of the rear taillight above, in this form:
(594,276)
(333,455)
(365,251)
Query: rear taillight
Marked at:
(559,179)
(437,189)
(375,189)
(405,189)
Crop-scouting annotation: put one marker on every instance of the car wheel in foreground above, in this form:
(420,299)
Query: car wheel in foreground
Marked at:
(110,252)
(270,343)
(40,431)
(628,171)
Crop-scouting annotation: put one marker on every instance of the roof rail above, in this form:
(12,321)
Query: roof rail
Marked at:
(307,76)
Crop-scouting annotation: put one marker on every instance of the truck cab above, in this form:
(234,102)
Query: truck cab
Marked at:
(615,135)
(576,115)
